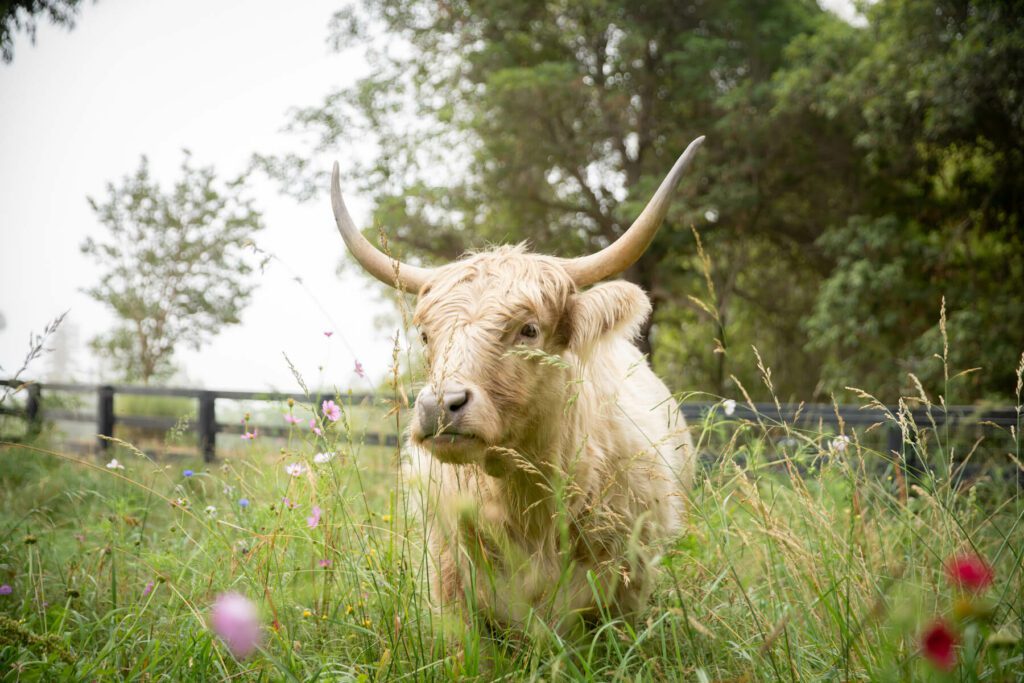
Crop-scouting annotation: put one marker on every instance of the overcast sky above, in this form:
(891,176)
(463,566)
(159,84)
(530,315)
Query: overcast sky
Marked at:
(79,108)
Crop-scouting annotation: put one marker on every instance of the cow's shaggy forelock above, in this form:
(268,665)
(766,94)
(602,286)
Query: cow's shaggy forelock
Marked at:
(471,313)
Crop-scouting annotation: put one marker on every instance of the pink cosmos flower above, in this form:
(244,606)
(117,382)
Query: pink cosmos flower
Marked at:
(328,334)
(359,369)
(313,521)
(235,619)
(148,589)
(291,419)
(969,572)
(249,436)
(312,425)
(295,469)
(325,563)
(331,410)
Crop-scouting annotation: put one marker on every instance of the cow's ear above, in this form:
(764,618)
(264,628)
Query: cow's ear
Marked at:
(612,309)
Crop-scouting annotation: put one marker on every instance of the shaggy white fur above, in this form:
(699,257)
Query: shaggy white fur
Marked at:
(580,458)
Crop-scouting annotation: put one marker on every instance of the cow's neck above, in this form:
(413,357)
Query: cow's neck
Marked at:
(552,445)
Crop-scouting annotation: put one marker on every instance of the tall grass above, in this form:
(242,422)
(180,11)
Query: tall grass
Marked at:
(804,558)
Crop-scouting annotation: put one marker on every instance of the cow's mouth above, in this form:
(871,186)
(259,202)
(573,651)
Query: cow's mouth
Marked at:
(454,447)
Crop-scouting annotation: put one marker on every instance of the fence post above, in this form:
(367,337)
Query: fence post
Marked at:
(105,414)
(207,426)
(33,413)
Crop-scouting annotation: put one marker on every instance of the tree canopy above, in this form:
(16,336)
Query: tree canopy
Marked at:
(23,15)
(175,265)
(853,175)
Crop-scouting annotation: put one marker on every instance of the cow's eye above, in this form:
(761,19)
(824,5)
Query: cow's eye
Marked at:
(423,336)
(529,331)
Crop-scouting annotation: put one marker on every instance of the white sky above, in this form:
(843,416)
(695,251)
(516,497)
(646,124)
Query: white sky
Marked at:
(79,108)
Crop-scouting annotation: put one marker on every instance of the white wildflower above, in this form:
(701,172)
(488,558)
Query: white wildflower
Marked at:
(296,469)
(211,510)
(840,443)
(729,406)
(323,458)
(114,465)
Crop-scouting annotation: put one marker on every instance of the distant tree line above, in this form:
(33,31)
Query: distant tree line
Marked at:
(854,175)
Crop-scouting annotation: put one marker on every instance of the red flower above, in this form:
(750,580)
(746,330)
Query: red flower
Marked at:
(939,645)
(969,572)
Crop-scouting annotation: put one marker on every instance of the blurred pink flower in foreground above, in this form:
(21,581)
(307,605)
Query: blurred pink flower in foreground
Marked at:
(325,563)
(939,645)
(359,369)
(148,589)
(313,521)
(331,410)
(296,469)
(312,425)
(328,334)
(6,589)
(235,619)
(969,572)
(249,436)
(291,419)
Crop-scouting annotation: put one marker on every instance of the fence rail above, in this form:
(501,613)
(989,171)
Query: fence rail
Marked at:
(207,427)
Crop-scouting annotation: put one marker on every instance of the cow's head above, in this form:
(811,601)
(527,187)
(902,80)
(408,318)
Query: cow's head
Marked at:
(494,323)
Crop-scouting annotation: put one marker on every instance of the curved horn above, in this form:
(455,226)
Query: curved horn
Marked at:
(378,264)
(624,252)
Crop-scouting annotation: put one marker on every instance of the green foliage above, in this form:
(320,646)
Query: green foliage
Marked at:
(175,266)
(932,99)
(853,175)
(22,15)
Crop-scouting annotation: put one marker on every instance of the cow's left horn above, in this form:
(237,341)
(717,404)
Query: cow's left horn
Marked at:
(378,264)
(625,251)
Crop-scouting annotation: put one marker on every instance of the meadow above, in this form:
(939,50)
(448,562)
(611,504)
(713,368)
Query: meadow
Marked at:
(808,555)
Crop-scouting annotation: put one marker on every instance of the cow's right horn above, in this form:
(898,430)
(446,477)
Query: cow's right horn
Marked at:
(624,252)
(378,264)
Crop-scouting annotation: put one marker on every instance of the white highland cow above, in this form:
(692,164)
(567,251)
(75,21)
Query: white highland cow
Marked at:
(550,461)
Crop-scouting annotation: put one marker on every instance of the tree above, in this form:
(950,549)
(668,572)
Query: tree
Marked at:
(22,15)
(931,96)
(853,175)
(555,121)
(176,265)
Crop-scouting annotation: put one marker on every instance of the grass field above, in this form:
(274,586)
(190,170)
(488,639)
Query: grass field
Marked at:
(804,558)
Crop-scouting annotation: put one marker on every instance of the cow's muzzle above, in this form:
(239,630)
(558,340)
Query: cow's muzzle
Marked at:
(440,411)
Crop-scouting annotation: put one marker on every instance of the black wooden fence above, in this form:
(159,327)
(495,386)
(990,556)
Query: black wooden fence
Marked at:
(206,425)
